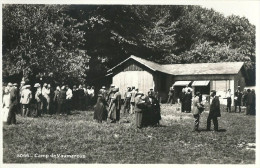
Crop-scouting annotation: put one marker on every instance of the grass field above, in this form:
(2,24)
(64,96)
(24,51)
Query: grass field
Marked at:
(34,140)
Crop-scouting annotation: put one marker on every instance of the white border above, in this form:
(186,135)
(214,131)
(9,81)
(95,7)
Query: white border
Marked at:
(255,3)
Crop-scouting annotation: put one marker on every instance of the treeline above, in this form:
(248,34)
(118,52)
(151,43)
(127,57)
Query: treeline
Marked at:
(80,42)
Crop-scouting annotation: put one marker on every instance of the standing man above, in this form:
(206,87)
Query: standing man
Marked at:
(132,100)
(62,100)
(244,97)
(115,106)
(74,97)
(110,93)
(46,98)
(187,100)
(68,99)
(214,111)
(237,99)
(38,97)
(182,98)
(55,100)
(153,110)
(196,110)
(253,110)
(228,96)
(11,119)
(26,99)
(20,106)
(249,101)
(127,100)
(171,95)
(81,98)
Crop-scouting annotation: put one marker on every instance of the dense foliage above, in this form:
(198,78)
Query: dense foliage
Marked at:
(83,41)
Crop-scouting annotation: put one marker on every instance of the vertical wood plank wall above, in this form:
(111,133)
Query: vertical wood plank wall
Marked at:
(143,80)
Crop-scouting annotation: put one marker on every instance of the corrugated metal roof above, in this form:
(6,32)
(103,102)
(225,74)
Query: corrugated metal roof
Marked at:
(189,69)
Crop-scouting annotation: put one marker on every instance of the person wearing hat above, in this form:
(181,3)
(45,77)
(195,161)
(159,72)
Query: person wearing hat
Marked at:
(100,111)
(6,103)
(46,98)
(171,95)
(110,93)
(21,88)
(127,100)
(13,103)
(214,111)
(187,101)
(152,116)
(69,96)
(140,107)
(103,92)
(115,106)
(229,101)
(132,100)
(26,98)
(38,98)
(238,99)
(197,109)
(62,101)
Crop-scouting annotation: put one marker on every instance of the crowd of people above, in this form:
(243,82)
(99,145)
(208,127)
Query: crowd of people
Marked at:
(246,98)
(37,101)
(185,98)
(145,108)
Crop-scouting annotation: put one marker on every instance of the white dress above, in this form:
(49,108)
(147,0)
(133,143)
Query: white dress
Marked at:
(6,103)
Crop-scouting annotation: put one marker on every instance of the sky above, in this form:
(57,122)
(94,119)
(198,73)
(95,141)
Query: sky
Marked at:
(248,9)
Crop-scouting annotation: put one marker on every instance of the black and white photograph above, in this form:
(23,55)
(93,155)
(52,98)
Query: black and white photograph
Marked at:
(129,83)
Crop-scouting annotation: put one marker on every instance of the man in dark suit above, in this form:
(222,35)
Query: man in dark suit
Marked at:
(214,111)
(13,106)
(249,102)
(238,99)
(153,113)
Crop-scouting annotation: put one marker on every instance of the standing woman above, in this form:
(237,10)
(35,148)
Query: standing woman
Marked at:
(100,112)
(115,106)
(187,100)
(182,98)
(6,103)
(61,101)
(140,107)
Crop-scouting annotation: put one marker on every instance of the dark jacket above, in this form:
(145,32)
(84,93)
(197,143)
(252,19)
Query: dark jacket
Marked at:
(62,96)
(140,105)
(215,107)
(238,94)
(250,98)
(14,97)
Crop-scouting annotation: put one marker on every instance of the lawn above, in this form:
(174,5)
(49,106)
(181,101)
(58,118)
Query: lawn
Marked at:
(79,139)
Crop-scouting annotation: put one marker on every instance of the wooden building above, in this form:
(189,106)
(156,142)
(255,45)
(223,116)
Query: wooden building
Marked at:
(203,77)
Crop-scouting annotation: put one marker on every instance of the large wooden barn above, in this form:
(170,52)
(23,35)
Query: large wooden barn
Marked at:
(203,77)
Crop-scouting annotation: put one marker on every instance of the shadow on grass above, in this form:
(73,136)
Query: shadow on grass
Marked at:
(205,130)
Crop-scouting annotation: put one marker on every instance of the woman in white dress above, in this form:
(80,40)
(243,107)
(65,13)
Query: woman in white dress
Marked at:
(6,102)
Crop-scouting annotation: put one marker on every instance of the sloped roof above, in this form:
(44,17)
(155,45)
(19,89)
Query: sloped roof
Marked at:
(149,64)
(203,68)
(189,69)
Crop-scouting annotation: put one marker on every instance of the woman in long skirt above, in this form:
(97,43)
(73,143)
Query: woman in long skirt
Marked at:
(100,112)
(6,103)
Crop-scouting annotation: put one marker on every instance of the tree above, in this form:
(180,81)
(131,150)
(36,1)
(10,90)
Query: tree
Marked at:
(42,40)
